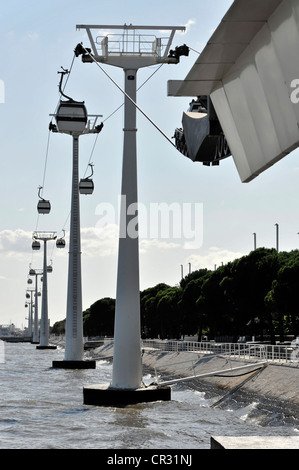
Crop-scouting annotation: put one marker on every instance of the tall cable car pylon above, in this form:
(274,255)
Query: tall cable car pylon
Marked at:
(127,385)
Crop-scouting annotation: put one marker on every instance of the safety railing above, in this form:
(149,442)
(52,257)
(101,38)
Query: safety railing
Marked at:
(277,353)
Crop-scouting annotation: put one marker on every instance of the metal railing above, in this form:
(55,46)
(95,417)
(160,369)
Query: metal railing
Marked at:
(277,353)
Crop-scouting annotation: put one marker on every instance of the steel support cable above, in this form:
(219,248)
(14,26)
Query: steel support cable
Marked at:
(129,98)
(110,115)
(115,111)
(254,373)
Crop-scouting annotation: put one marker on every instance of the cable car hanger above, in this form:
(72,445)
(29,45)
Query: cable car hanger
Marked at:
(86,185)
(64,72)
(60,242)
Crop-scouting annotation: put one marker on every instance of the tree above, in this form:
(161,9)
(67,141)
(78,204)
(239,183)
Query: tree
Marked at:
(150,321)
(193,321)
(169,311)
(283,296)
(98,320)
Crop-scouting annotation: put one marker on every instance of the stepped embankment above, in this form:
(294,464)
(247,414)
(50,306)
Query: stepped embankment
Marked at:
(278,381)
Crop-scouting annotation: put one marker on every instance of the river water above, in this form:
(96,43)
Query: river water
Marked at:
(42,408)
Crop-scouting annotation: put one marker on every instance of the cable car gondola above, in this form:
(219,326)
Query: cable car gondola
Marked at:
(43,206)
(86,185)
(35,245)
(71,115)
(50,268)
(60,242)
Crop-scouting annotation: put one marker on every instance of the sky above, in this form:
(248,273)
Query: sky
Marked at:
(214,215)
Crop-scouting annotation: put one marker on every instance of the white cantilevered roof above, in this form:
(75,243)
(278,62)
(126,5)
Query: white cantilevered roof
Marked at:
(249,68)
(239,26)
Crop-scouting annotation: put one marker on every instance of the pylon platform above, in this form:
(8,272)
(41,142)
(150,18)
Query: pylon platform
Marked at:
(105,395)
(74,364)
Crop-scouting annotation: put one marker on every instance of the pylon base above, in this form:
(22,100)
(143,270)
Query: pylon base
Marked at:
(105,395)
(74,364)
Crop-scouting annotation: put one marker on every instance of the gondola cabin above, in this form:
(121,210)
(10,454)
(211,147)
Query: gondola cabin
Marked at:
(71,116)
(35,245)
(86,186)
(60,243)
(43,206)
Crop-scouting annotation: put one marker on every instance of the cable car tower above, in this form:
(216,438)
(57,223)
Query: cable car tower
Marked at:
(44,325)
(130,48)
(36,273)
(72,119)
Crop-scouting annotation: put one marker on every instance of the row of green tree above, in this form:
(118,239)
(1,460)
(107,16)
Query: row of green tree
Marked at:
(255,295)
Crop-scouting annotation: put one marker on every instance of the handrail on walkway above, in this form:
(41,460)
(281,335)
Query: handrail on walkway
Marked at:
(268,352)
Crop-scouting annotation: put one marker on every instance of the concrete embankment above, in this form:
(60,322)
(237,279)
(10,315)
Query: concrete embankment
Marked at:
(276,381)
(275,387)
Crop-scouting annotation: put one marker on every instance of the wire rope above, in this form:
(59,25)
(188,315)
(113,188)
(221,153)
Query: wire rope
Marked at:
(129,98)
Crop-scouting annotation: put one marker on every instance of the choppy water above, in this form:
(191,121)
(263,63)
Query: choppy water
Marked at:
(42,408)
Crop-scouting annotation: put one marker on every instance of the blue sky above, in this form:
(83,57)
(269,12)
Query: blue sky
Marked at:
(37,38)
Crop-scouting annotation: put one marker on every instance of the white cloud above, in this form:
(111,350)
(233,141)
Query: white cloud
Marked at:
(103,241)
(33,36)
(189,24)
(146,245)
(99,241)
(214,256)
(15,242)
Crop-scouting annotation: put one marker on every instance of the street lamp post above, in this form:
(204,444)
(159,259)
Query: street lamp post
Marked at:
(277,237)
(72,119)
(137,51)
(254,241)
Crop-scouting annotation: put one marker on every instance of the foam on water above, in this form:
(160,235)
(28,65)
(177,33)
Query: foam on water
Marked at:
(41,407)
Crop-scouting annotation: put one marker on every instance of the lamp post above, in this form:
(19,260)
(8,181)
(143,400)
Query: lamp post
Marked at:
(72,119)
(277,236)
(137,51)
(44,324)
(254,241)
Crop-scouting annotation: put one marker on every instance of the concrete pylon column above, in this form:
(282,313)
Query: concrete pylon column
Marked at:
(74,346)
(44,324)
(74,321)
(127,368)
(35,321)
